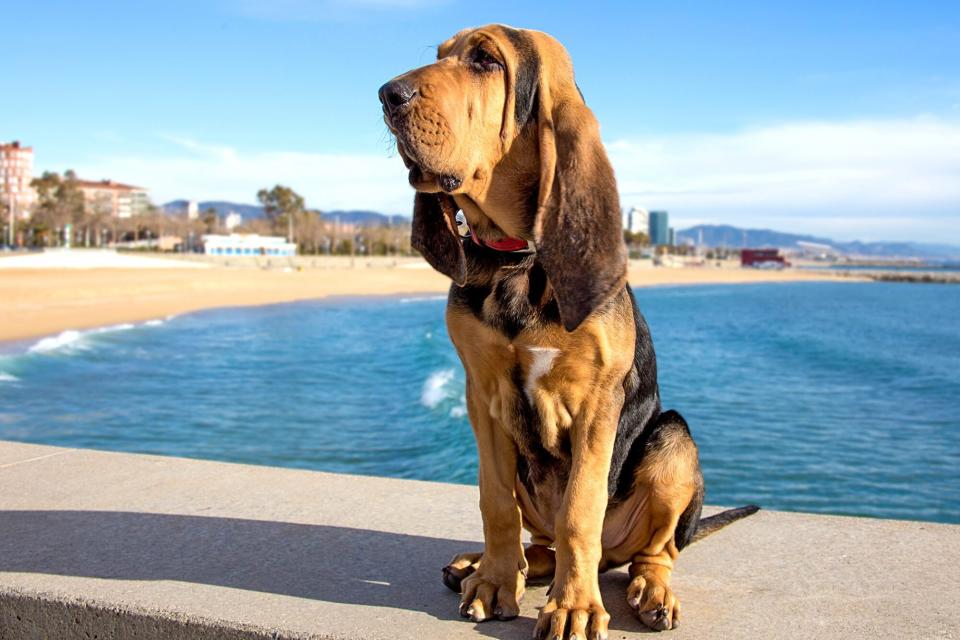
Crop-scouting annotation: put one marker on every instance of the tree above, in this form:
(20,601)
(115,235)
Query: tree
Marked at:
(59,202)
(639,238)
(211,221)
(311,231)
(281,205)
(95,222)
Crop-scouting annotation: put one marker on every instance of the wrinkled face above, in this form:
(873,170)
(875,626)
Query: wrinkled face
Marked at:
(449,117)
(498,121)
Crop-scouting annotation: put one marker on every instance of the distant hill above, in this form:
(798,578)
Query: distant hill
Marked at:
(365,218)
(737,238)
(250,211)
(222,208)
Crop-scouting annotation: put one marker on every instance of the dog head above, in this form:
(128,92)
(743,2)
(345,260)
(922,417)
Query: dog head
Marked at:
(498,128)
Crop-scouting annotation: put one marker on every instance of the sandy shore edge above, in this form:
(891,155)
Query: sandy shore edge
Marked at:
(42,302)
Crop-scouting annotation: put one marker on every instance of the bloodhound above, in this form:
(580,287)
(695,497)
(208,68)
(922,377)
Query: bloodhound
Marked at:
(561,375)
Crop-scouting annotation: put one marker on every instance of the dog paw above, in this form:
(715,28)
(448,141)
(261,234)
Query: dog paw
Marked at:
(587,621)
(462,566)
(487,597)
(653,602)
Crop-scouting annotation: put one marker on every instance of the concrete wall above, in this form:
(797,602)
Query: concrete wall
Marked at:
(108,545)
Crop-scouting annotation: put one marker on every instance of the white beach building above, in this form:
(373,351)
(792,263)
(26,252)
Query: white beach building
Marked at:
(247,244)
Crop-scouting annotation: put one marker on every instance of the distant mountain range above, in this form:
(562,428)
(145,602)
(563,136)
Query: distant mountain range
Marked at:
(220,206)
(708,235)
(250,211)
(735,237)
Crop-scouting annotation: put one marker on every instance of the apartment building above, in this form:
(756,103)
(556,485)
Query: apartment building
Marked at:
(16,172)
(113,198)
(636,220)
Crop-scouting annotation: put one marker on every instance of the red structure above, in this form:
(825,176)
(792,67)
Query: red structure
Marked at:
(763,258)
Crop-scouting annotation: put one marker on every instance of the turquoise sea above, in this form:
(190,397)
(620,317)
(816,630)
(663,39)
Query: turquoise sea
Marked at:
(827,397)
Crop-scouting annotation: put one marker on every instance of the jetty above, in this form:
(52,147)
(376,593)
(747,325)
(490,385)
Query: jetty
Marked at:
(112,546)
(881,275)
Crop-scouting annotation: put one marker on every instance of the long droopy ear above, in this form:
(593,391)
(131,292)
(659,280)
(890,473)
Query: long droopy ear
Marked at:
(578,229)
(434,235)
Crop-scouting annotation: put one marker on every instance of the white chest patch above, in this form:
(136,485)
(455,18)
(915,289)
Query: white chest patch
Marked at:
(543,358)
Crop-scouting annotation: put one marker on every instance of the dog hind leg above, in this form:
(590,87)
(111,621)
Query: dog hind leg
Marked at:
(669,476)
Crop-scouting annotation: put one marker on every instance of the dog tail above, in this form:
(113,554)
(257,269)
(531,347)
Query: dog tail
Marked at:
(716,522)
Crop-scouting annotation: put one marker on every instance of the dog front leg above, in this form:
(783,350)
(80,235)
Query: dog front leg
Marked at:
(494,590)
(575,607)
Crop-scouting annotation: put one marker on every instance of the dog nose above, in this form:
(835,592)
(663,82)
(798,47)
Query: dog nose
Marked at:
(396,94)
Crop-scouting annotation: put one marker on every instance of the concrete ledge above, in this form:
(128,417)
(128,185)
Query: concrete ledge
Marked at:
(107,545)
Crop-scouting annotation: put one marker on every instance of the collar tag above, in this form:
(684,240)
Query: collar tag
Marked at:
(506,245)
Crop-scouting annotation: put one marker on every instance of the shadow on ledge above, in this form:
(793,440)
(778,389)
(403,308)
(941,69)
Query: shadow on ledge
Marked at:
(328,563)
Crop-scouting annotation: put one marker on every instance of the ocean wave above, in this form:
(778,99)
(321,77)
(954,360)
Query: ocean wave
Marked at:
(68,338)
(153,323)
(8,377)
(422,299)
(435,388)
(72,339)
(126,326)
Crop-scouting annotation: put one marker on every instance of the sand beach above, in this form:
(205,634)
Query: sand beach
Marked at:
(44,294)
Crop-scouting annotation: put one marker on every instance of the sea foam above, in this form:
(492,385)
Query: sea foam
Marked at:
(422,299)
(71,339)
(8,377)
(68,338)
(435,388)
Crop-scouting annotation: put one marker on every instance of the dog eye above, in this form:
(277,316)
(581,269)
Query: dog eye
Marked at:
(484,61)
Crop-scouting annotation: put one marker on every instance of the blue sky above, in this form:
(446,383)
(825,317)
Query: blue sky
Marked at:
(841,119)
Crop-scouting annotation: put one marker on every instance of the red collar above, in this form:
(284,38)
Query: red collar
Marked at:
(507,245)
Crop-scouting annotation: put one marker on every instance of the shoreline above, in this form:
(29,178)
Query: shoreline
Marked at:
(37,303)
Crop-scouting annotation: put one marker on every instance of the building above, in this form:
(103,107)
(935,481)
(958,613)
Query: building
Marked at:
(113,198)
(232,220)
(763,259)
(636,220)
(16,172)
(193,210)
(659,228)
(247,244)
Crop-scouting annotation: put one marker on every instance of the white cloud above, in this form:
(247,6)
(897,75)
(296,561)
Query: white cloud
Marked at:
(881,179)
(201,171)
